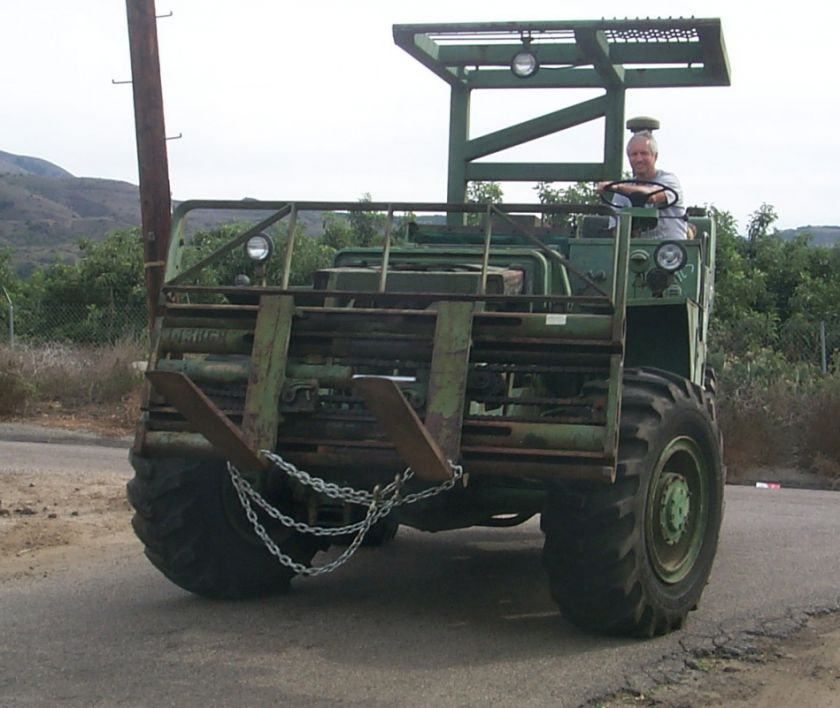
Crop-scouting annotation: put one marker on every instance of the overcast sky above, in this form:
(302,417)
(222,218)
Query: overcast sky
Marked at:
(313,100)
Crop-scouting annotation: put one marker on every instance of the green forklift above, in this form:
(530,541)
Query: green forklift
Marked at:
(480,365)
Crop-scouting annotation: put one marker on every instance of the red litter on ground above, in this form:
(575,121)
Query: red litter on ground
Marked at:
(768,485)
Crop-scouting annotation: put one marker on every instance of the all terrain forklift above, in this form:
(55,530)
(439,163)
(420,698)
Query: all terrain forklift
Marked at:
(478,365)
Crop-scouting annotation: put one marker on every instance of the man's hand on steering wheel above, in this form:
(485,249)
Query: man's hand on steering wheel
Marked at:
(646,192)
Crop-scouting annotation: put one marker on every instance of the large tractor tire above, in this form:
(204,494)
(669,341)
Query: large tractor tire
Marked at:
(632,558)
(189,518)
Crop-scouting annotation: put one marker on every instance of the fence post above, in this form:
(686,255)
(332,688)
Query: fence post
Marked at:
(822,347)
(11,318)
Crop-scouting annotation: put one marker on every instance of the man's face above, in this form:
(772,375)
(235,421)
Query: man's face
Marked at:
(642,160)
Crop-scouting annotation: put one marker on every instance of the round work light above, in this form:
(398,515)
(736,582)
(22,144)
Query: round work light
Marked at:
(524,64)
(259,247)
(670,256)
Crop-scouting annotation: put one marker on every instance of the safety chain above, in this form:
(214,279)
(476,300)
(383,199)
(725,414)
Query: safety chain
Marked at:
(380,502)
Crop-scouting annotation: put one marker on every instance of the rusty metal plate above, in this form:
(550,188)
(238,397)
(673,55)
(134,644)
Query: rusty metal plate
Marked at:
(404,429)
(203,415)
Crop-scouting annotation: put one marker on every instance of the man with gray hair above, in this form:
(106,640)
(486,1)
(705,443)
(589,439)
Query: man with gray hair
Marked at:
(642,152)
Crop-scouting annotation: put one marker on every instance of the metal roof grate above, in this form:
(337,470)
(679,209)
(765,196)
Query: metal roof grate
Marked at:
(657,34)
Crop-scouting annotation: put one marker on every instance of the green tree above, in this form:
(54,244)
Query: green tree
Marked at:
(817,297)
(205,242)
(309,255)
(739,325)
(338,233)
(786,265)
(482,193)
(760,222)
(577,193)
(367,226)
(771,293)
(99,298)
(737,287)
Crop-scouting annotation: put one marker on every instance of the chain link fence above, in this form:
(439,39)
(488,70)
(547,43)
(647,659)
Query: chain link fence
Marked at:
(98,321)
(807,344)
(811,343)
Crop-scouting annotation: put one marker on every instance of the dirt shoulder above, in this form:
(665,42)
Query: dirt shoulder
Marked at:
(45,519)
(799,666)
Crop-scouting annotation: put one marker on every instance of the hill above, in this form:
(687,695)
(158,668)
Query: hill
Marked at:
(820,235)
(21,164)
(45,210)
(43,216)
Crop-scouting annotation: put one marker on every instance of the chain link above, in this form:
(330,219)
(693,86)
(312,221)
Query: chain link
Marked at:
(380,502)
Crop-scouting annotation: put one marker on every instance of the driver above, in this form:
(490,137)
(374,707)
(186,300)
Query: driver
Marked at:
(642,152)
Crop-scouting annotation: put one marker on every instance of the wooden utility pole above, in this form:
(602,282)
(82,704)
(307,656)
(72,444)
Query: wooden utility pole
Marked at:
(155,203)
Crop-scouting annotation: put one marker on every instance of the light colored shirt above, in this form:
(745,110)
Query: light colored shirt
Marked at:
(672,223)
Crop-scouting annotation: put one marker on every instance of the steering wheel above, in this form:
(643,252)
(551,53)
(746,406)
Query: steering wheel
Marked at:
(640,199)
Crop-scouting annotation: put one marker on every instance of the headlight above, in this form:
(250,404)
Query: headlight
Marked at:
(670,256)
(258,248)
(524,64)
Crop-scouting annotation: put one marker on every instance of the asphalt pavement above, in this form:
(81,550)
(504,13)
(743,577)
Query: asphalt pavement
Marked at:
(452,619)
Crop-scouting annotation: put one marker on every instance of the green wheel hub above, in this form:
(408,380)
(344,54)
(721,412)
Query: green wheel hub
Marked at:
(677,509)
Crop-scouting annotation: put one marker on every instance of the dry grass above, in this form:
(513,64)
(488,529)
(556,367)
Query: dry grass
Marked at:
(778,424)
(67,376)
(16,389)
(819,431)
(782,424)
(756,425)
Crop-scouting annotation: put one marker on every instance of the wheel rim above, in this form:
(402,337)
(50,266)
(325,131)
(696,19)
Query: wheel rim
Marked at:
(677,510)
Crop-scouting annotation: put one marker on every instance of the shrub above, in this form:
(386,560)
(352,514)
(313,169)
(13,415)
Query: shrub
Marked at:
(68,375)
(16,391)
(820,442)
(75,375)
(773,412)
(756,424)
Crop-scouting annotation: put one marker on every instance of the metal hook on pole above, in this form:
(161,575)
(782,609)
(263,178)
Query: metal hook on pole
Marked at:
(127,81)
(160,17)
(175,137)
